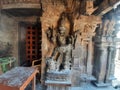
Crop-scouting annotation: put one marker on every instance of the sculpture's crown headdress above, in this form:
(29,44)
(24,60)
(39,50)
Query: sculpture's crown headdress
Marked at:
(62,28)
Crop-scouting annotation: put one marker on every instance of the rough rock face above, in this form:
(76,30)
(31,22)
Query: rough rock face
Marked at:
(51,16)
(86,25)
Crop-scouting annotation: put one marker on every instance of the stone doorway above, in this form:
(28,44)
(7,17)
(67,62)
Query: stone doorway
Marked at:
(29,43)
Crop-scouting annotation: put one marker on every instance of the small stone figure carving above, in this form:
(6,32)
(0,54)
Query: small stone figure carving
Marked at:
(108,27)
(90,7)
(111,27)
(105,27)
(49,34)
(51,64)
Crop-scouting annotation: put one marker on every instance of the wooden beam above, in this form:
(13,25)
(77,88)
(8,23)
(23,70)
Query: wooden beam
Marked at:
(106,6)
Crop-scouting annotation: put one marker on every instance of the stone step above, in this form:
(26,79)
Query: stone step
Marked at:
(91,87)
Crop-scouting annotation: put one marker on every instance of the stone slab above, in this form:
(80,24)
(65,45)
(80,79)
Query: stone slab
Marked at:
(91,87)
(67,83)
(102,84)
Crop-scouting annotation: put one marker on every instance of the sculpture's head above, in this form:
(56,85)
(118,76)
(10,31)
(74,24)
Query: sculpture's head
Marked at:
(49,33)
(62,30)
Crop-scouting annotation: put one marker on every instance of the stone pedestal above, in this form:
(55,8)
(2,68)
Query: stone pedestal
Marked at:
(58,80)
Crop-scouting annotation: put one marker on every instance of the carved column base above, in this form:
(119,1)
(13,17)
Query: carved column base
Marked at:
(102,84)
(105,84)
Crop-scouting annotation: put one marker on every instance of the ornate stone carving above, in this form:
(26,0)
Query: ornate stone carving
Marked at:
(105,53)
(90,7)
(107,27)
(104,63)
(63,51)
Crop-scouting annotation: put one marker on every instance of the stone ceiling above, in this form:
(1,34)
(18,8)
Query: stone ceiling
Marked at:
(23,12)
(28,9)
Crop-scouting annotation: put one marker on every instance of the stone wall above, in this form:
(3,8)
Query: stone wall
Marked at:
(8,36)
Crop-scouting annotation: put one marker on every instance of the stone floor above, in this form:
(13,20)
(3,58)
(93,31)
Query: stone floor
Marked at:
(84,87)
(91,87)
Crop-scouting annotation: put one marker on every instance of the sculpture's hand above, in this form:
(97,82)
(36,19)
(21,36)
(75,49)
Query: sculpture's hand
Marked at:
(52,57)
(76,33)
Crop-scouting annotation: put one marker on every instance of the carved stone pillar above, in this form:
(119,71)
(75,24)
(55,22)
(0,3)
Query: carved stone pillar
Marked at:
(104,62)
(89,58)
(100,67)
(112,69)
(110,65)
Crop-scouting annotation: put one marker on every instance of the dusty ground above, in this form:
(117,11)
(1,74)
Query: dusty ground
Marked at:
(84,87)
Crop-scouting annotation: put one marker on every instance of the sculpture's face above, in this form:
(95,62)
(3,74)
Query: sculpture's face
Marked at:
(62,30)
(49,33)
